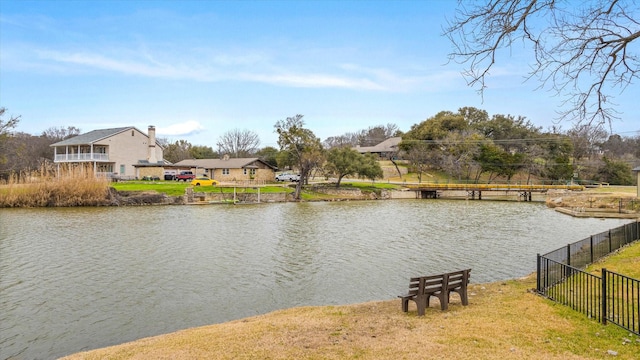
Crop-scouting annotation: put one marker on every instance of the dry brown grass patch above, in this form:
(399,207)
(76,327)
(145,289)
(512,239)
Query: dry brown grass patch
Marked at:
(75,187)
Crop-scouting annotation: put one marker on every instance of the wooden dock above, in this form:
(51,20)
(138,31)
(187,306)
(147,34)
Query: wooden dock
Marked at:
(434,190)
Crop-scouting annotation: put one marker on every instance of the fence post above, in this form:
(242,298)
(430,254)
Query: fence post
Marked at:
(538,273)
(603,297)
(610,242)
(569,254)
(591,247)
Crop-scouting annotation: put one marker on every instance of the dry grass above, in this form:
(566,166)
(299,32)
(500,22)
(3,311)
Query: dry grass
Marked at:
(504,320)
(606,197)
(615,190)
(73,187)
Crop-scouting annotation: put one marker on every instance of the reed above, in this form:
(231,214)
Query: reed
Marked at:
(75,186)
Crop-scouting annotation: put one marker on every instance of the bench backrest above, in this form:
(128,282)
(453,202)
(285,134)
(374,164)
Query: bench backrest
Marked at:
(414,286)
(434,283)
(457,279)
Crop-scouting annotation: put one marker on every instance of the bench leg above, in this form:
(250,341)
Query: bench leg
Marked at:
(421,302)
(444,300)
(463,296)
(405,304)
(462,292)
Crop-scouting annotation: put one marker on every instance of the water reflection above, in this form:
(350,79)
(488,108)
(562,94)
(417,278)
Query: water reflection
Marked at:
(76,279)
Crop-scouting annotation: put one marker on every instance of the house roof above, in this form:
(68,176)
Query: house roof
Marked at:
(92,136)
(231,163)
(389,145)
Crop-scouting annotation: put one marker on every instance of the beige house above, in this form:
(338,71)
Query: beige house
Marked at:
(124,152)
(231,169)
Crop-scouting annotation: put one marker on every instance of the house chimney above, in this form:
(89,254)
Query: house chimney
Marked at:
(151,156)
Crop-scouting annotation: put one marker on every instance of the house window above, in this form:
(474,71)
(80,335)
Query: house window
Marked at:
(131,132)
(225,171)
(252,171)
(122,169)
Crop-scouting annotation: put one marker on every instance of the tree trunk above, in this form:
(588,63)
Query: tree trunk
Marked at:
(397,168)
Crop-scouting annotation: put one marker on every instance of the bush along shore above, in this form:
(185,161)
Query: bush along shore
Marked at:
(75,191)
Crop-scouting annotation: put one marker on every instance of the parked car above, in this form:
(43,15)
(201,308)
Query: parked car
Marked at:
(288,177)
(204,181)
(185,175)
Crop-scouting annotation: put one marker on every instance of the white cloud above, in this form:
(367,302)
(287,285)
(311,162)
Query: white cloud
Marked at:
(182,129)
(314,81)
(151,69)
(225,67)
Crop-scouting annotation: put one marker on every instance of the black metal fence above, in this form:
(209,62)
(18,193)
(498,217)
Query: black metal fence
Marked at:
(611,297)
(621,303)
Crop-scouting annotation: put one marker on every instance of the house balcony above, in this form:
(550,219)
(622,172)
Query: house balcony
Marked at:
(81,157)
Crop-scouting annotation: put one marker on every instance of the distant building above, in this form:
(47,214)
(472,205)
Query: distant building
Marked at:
(385,149)
(230,169)
(119,152)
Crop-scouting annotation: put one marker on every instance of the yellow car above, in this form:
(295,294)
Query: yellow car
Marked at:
(204,181)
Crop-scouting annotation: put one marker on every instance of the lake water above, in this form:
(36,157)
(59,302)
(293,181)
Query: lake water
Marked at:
(73,279)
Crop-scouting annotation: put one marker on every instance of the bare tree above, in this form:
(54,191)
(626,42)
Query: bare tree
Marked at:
(587,140)
(5,126)
(178,151)
(349,139)
(238,143)
(583,51)
(377,134)
(60,133)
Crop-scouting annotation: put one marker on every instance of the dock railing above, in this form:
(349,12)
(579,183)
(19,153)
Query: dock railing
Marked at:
(611,297)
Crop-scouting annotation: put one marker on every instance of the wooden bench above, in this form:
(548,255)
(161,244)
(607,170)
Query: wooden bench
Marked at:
(421,289)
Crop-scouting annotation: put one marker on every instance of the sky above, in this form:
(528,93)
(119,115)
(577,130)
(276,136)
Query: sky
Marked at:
(196,69)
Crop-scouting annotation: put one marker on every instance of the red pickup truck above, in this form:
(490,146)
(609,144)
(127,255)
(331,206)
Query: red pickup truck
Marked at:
(185,176)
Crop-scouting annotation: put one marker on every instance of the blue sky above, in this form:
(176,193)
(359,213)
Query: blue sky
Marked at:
(196,69)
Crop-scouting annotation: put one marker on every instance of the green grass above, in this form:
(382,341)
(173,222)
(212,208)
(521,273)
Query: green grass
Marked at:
(369,185)
(171,188)
(177,188)
(624,261)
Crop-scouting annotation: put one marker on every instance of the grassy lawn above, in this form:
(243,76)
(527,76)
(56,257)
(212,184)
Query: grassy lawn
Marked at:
(626,261)
(504,320)
(177,188)
(171,188)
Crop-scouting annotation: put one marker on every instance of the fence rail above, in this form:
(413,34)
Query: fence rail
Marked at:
(611,297)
